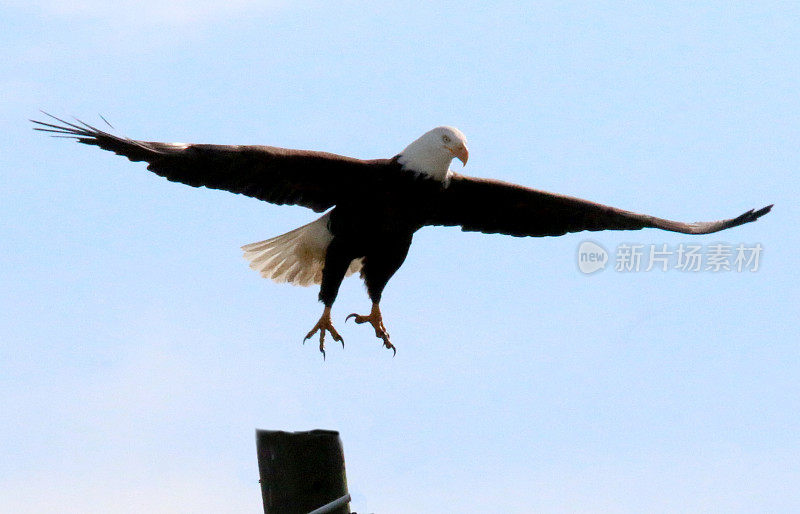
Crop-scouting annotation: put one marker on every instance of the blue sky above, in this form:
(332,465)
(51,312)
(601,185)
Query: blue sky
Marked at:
(138,352)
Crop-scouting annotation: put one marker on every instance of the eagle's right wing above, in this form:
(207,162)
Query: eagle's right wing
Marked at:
(493,206)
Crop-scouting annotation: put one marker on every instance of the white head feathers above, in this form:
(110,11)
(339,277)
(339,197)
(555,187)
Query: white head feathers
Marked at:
(433,152)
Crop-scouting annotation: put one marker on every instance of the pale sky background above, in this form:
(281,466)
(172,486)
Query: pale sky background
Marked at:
(138,352)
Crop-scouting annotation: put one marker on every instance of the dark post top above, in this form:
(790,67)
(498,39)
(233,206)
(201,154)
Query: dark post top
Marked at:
(300,471)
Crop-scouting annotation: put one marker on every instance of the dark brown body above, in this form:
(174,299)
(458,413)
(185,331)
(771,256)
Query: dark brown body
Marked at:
(378,228)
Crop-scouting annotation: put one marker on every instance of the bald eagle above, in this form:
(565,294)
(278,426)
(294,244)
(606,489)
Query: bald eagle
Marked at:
(374,207)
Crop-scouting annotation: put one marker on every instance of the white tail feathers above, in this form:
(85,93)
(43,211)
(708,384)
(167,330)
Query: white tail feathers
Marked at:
(296,257)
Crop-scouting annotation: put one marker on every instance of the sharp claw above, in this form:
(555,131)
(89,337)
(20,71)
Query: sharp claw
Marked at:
(324,325)
(374,318)
(388,344)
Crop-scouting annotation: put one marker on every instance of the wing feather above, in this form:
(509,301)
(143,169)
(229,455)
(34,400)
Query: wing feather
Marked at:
(493,206)
(317,180)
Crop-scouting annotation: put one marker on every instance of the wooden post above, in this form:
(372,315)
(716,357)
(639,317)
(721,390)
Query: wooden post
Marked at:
(300,471)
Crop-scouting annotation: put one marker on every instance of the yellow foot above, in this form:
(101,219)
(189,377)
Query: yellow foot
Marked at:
(376,320)
(322,325)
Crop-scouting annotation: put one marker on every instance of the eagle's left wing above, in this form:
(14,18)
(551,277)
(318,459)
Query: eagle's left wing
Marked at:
(317,180)
(493,206)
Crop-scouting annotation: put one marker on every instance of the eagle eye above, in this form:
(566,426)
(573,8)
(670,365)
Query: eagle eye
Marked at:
(446,138)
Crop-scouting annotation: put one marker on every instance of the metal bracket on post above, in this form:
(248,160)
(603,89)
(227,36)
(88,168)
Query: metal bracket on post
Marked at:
(332,506)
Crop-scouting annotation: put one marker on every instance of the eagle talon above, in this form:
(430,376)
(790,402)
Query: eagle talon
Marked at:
(324,324)
(375,319)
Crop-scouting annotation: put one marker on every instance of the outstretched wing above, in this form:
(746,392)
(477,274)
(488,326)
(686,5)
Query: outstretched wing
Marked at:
(493,206)
(316,180)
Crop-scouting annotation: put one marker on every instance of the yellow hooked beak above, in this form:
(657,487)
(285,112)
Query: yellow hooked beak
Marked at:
(461,153)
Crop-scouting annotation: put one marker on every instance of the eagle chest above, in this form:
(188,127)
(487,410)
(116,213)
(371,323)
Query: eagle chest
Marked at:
(384,214)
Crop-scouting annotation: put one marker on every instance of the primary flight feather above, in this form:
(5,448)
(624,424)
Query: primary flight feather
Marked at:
(376,205)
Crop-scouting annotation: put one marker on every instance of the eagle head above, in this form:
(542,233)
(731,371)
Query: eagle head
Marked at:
(432,153)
